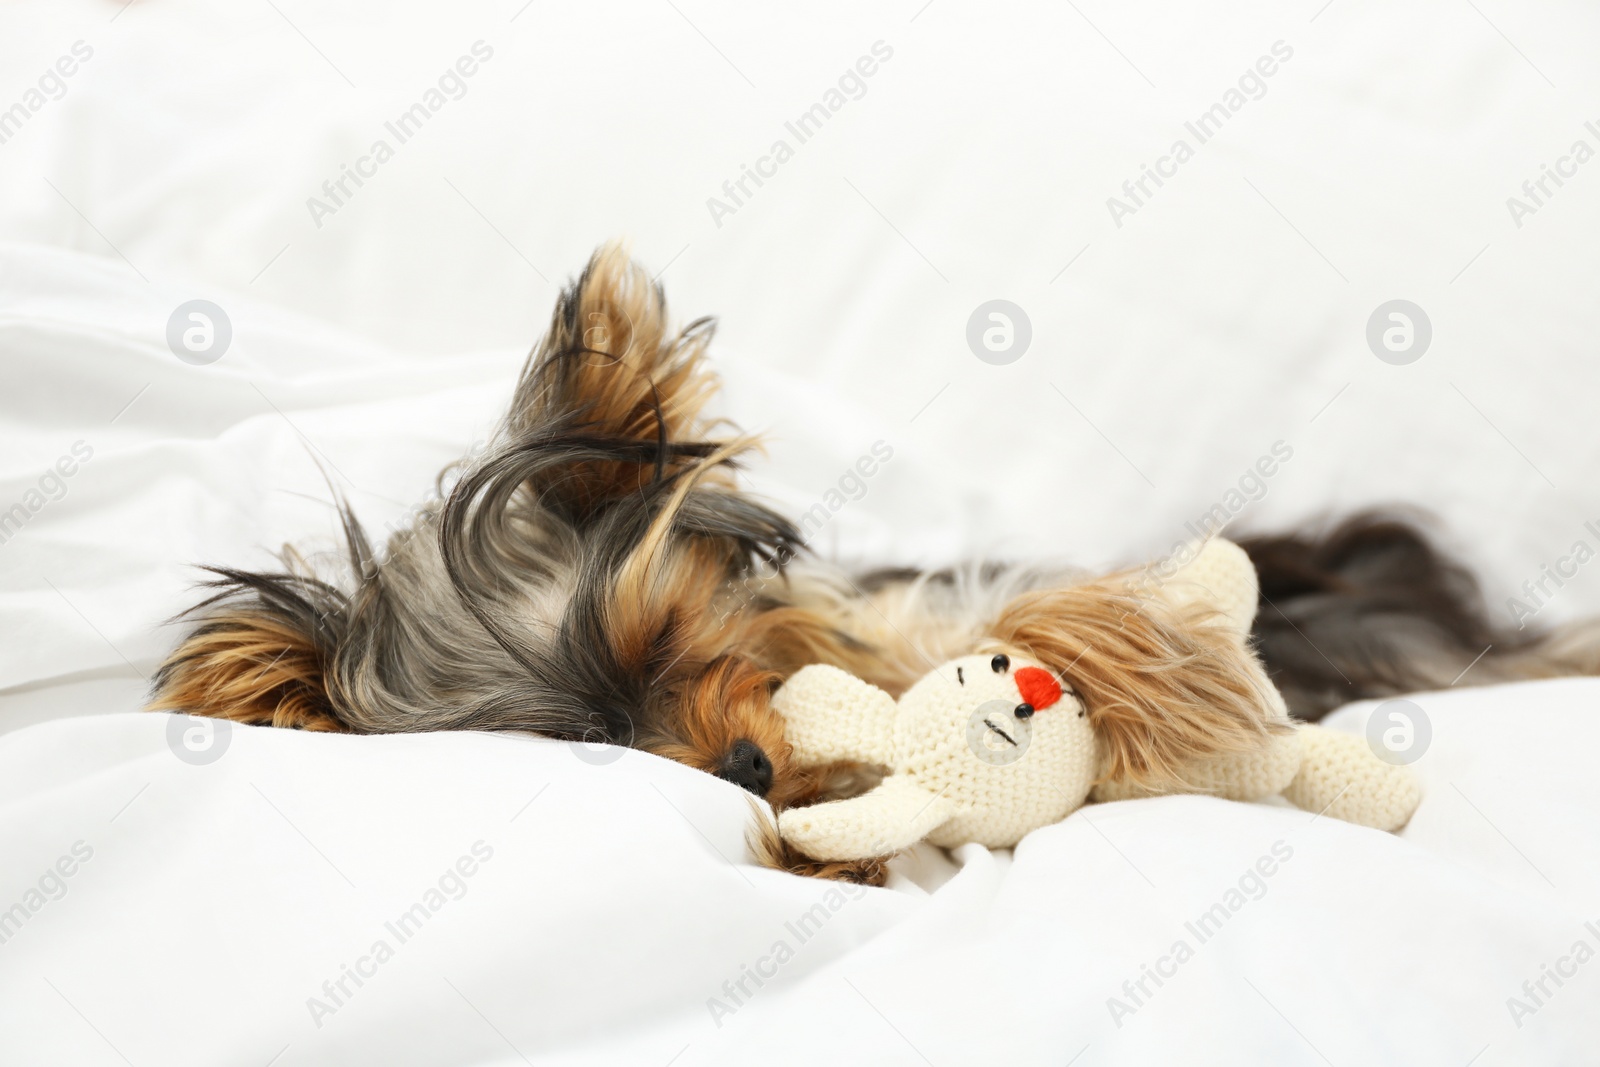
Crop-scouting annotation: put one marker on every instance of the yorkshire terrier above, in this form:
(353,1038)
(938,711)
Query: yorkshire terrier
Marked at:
(596,574)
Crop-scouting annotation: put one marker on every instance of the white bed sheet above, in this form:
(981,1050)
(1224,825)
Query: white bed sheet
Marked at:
(608,903)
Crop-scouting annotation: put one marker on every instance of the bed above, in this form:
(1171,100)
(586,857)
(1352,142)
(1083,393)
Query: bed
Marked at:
(269,897)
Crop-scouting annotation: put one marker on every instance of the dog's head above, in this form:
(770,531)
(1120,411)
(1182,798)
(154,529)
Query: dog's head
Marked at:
(566,583)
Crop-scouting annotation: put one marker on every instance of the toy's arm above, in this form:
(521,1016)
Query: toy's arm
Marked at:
(895,815)
(1321,771)
(1340,776)
(1245,776)
(831,715)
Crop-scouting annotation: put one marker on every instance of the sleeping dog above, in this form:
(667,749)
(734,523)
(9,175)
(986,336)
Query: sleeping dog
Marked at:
(596,574)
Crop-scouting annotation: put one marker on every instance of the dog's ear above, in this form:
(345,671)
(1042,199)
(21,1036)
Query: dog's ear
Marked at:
(605,438)
(1166,680)
(612,382)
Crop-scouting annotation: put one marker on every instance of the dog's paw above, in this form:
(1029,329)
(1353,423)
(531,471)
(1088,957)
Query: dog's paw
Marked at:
(873,871)
(771,850)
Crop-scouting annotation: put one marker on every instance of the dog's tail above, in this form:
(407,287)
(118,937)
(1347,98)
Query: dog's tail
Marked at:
(1372,608)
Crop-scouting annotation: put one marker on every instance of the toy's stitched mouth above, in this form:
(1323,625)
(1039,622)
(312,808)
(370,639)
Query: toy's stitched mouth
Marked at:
(999,731)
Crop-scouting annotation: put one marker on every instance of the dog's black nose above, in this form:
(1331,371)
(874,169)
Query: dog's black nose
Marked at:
(1024,711)
(748,767)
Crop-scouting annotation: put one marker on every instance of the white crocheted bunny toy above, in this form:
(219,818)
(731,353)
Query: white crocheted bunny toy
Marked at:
(988,748)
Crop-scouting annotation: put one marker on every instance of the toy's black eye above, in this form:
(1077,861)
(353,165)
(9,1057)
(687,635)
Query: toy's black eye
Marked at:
(1000,663)
(960,677)
(1024,711)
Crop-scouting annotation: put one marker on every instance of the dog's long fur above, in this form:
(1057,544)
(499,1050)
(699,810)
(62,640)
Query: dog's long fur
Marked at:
(1370,607)
(564,586)
(596,575)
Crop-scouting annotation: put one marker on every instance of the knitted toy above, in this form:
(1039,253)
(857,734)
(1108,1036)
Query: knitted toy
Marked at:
(987,748)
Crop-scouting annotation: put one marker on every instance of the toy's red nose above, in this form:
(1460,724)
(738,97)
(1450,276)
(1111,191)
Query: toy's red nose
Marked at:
(1037,687)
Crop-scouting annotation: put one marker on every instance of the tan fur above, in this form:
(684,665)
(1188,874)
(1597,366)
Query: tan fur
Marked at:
(771,850)
(788,638)
(642,568)
(617,365)
(250,669)
(886,638)
(664,593)
(1164,687)
(726,701)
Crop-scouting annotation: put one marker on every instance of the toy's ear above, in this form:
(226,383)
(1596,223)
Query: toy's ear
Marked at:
(1220,576)
(832,716)
(1166,679)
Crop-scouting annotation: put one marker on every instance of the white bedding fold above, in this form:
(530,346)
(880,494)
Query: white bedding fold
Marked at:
(581,913)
